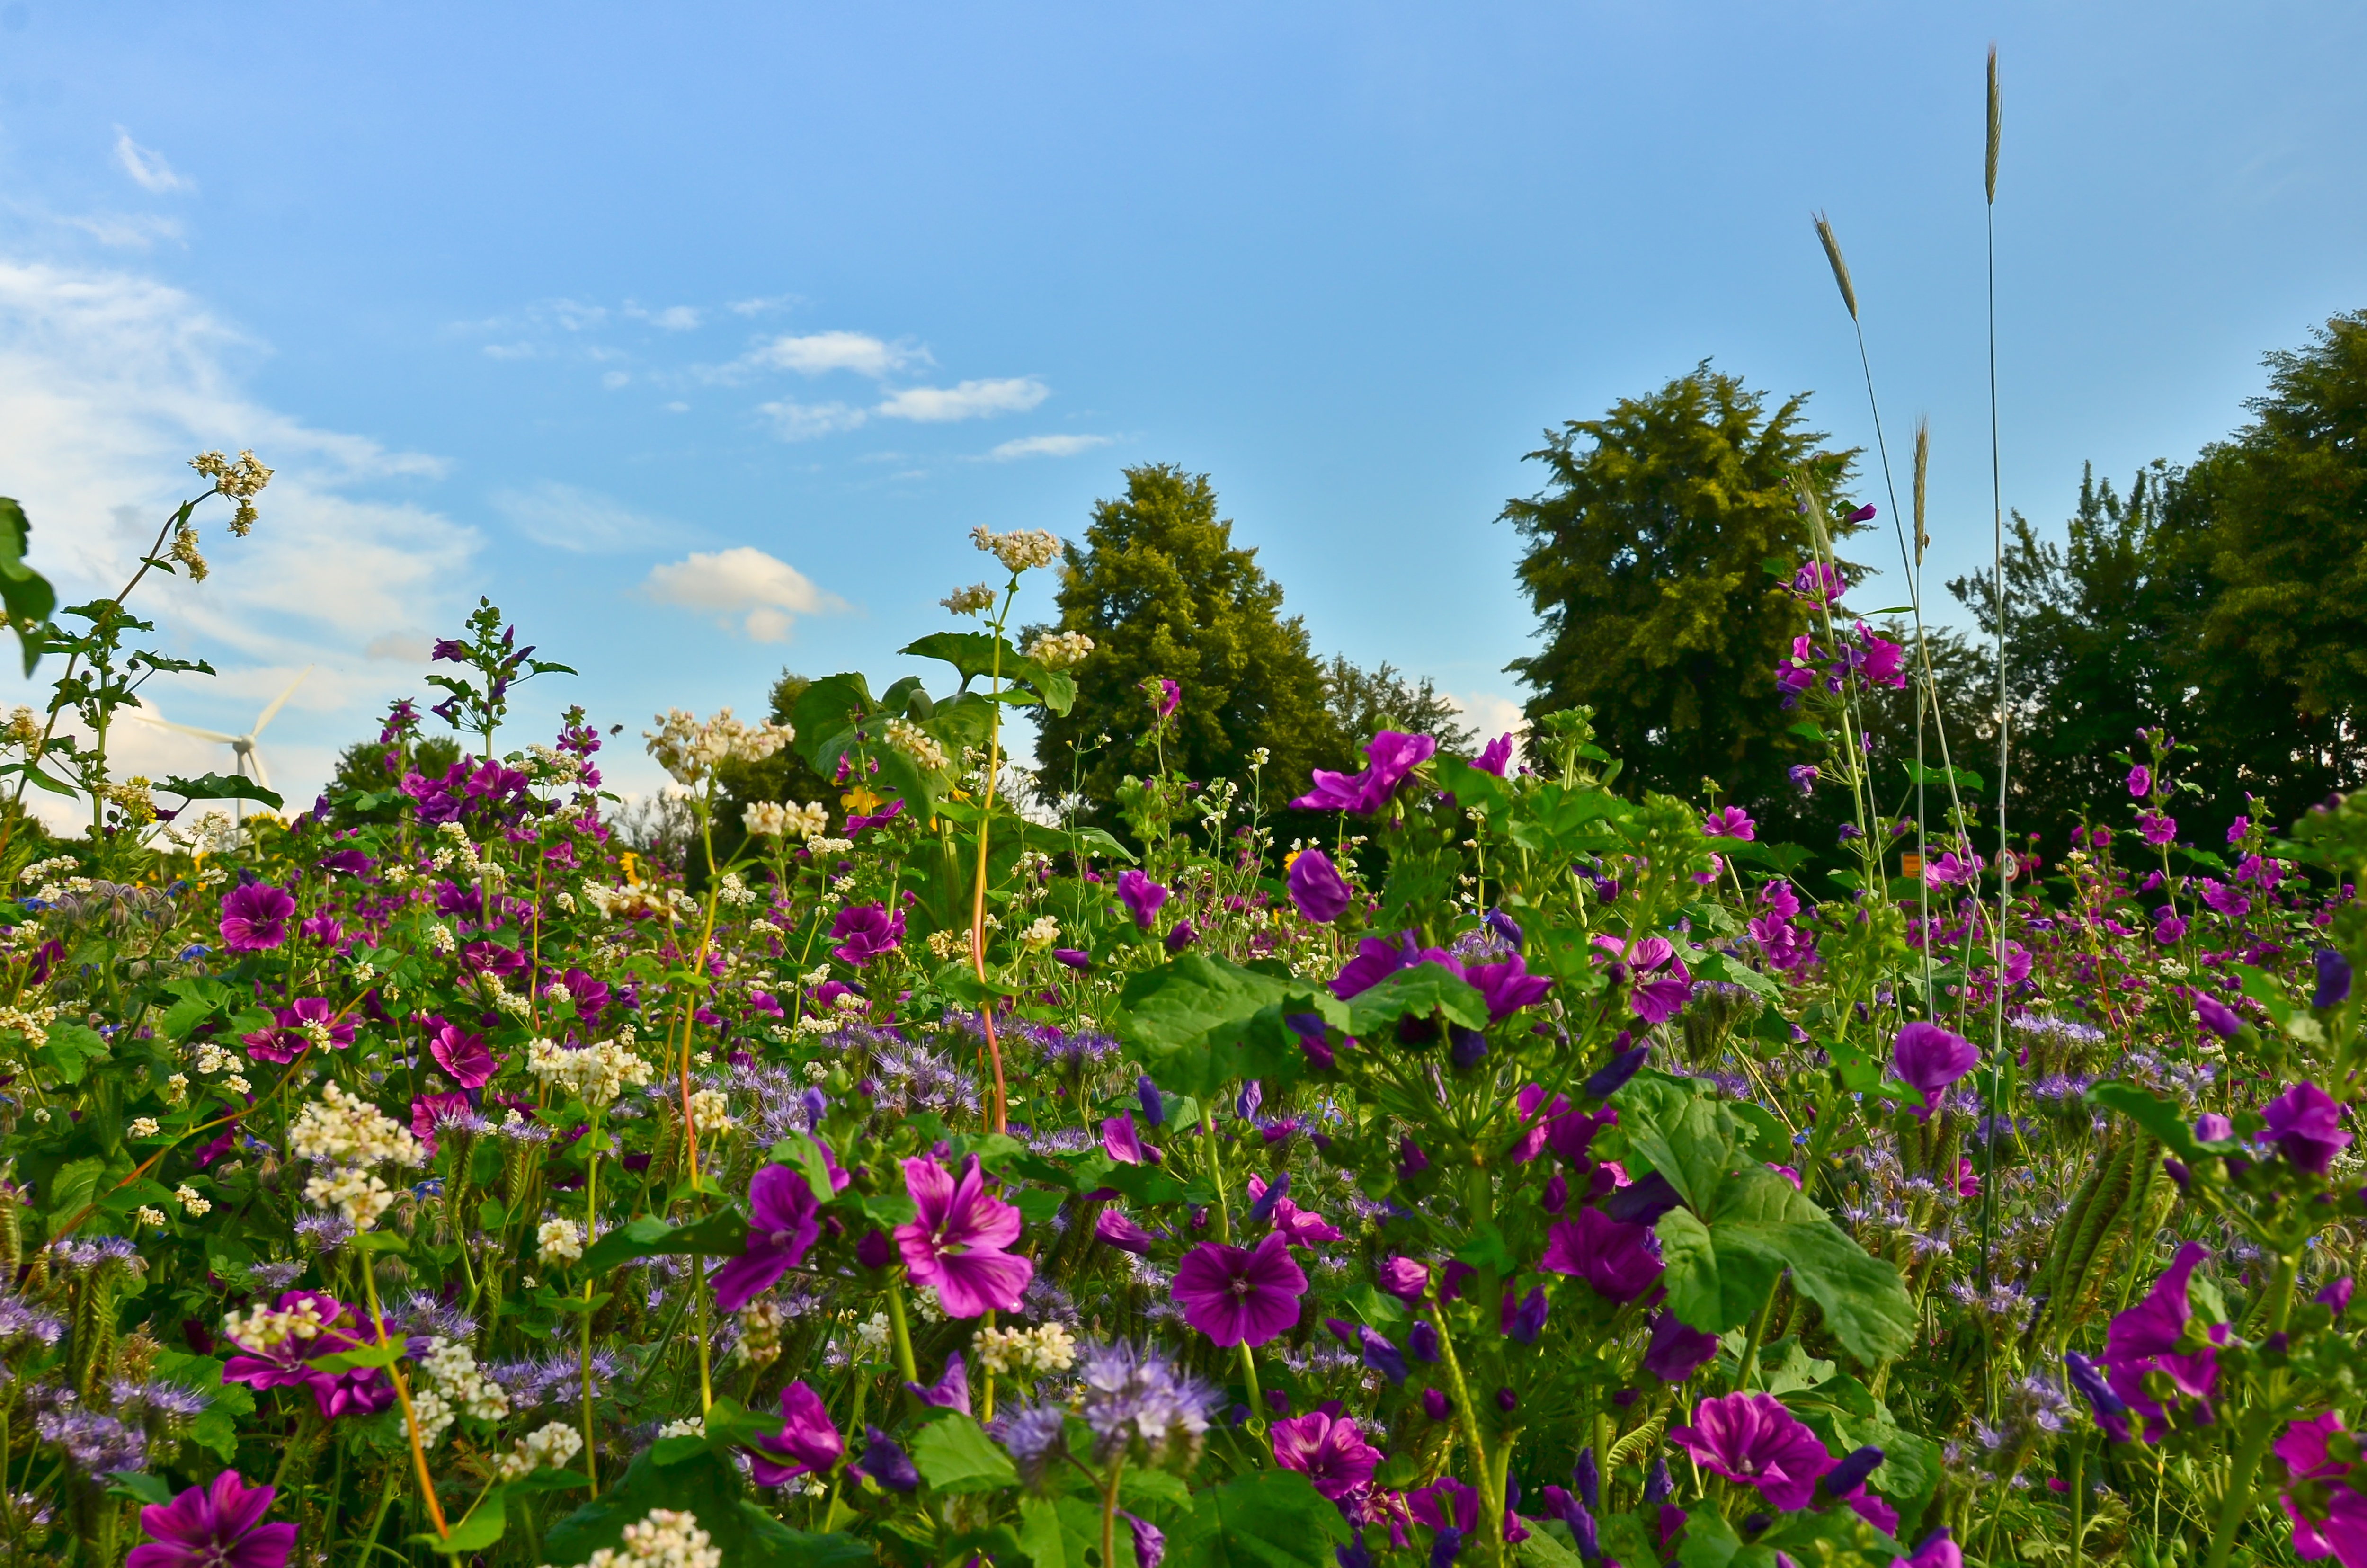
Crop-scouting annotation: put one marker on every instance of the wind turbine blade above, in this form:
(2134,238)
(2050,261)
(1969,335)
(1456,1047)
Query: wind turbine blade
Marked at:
(279,701)
(260,775)
(184,729)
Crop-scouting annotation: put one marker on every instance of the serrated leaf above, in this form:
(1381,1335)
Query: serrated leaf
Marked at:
(216,786)
(955,1455)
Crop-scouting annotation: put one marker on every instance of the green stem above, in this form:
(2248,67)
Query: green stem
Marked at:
(583,1343)
(1250,1377)
(905,1362)
(1489,1499)
(1216,1176)
(1749,1364)
(1109,1511)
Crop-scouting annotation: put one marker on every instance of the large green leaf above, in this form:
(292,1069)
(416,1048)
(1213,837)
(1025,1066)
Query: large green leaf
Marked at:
(216,786)
(26,592)
(1760,1226)
(955,1455)
(1426,990)
(981,654)
(705,1485)
(71,1048)
(721,1234)
(1273,1519)
(1201,1022)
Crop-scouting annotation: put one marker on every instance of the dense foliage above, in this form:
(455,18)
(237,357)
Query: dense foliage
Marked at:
(1529,1171)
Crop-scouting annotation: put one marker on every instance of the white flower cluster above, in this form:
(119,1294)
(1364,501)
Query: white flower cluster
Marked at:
(916,743)
(144,1127)
(193,1203)
(710,1110)
(1026,1352)
(343,1128)
(1060,650)
(1043,932)
(685,1426)
(689,747)
(30,1020)
(440,941)
(945,943)
(357,1195)
(152,1218)
(450,1386)
(760,1332)
(594,1073)
(664,1539)
(264,1329)
(734,893)
(558,1242)
(784,819)
(553,1446)
(42,871)
(1020,549)
(972,600)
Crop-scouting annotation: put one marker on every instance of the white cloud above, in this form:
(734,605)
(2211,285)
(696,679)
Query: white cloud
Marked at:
(818,353)
(109,382)
(804,421)
(401,647)
(615,379)
(968,400)
(1047,447)
(136,231)
(674,318)
(1492,715)
(567,518)
(768,594)
(146,167)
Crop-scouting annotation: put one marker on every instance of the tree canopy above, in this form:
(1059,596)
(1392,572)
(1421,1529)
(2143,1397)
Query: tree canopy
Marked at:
(1656,561)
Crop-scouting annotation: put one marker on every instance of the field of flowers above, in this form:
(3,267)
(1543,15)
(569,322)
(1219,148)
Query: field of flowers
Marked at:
(1529,1172)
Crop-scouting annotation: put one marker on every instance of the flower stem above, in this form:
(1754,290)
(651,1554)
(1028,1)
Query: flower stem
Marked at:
(905,1362)
(1494,1523)
(410,1416)
(583,1345)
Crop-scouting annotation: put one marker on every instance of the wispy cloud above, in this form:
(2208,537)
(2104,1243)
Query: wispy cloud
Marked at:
(565,517)
(818,353)
(122,232)
(1047,447)
(147,168)
(765,593)
(804,421)
(966,400)
(674,318)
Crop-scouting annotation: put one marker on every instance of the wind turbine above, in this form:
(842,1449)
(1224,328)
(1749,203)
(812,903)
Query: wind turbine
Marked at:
(245,757)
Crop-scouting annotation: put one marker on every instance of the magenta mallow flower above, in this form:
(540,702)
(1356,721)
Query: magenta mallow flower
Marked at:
(1405,1279)
(1140,896)
(2156,827)
(1733,822)
(1304,1227)
(255,918)
(1752,1439)
(867,931)
(1389,756)
(462,1055)
(1676,1351)
(1165,695)
(2217,1017)
(781,1229)
(2145,1338)
(286,1039)
(2306,1123)
(1321,894)
(1328,1450)
(364,1392)
(808,1441)
(1508,985)
(1496,756)
(2140,781)
(957,1241)
(1240,1295)
(1621,1261)
(1929,1059)
(2337,1526)
(430,1111)
(1115,1228)
(219,1525)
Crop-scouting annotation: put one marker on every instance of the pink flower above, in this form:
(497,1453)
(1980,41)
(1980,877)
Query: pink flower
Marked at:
(1304,1227)
(2306,1124)
(1321,894)
(1496,756)
(1929,1059)
(2340,1530)
(255,918)
(1240,1295)
(429,1111)
(807,1440)
(1327,1450)
(219,1525)
(1389,756)
(1121,1141)
(867,931)
(2157,828)
(287,1040)
(2141,781)
(781,1230)
(364,1391)
(1731,823)
(1621,1261)
(1751,1438)
(957,1241)
(1508,986)
(462,1055)
(1405,1279)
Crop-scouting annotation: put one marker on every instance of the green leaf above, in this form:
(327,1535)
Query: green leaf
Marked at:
(1544,1550)
(724,1234)
(1689,1272)
(1200,1022)
(1273,1519)
(800,1154)
(215,787)
(2156,1115)
(140,1486)
(26,592)
(1764,1225)
(1058,1532)
(707,1486)
(75,1188)
(70,1049)
(482,1528)
(1426,990)
(955,1455)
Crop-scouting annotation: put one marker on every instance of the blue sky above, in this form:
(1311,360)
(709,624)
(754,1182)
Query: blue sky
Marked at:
(698,336)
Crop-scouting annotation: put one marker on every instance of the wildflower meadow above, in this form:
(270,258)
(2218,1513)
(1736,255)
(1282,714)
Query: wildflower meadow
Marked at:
(1470,1159)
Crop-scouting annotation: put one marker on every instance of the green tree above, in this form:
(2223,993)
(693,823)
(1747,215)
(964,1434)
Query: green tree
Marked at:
(1361,701)
(1163,592)
(1655,560)
(362,769)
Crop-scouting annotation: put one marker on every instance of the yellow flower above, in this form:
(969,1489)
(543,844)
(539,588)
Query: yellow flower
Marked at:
(860,799)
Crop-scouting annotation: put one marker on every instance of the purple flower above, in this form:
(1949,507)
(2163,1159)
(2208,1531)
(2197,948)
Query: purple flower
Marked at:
(287,1039)
(781,1231)
(867,931)
(1508,986)
(1731,823)
(1389,756)
(462,1055)
(884,1462)
(364,1391)
(2217,1017)
(1240,1295)
(1149,1542)
(2337,1526)
(2157,828)
(255,919)
(2140,781)
(1122,1144)
(2224,898)
(1676,1351)
(1496,755)
(1113,1228)
(1928,1058)
(2333,979)
(1074,958)
(2306,1124)
(957,1243)
(1815,580)
(1182,935)
(1378,957)
(1140,896)
(1405,1279)
(1167,698)
(2154,1325)
(807,1440)
(1752,1439)
(431,1111)
(1303,1227)
(1321,894)
(219,1525)
(1523,1318)
(2336,1296)
(1328,1450)
(2168,926)
(1621,1261)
